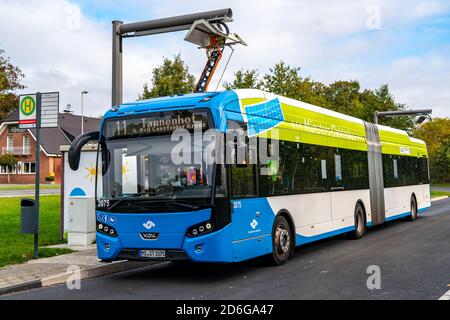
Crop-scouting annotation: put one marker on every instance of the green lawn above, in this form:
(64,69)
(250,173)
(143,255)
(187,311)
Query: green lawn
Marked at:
(435,194)
(18,248)
(28,187)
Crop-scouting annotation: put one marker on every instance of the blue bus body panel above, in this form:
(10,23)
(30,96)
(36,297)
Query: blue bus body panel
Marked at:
(172,229)
(215,247)
(252,228)
(214,101)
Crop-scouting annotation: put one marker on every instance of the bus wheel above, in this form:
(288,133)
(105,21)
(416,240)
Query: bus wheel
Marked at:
(360,222)
(413,215)
(281,241)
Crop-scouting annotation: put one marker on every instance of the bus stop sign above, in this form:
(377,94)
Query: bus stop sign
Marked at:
(28,111)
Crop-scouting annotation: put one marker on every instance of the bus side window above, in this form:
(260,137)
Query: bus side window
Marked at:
(314,164)
(243,176)
(423,166)
(337,177)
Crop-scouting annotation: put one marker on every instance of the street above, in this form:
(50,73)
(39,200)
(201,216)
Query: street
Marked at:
(414,258)
(28,192)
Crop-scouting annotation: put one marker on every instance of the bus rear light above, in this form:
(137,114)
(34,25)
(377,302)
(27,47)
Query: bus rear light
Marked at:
(200,229)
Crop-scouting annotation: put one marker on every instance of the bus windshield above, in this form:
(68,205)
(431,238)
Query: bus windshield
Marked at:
(144,168)
(136,158)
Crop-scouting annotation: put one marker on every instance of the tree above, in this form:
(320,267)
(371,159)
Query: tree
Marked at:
(170,78)
(342,96)
(345,97)
(10,81)
(283,79)
(9,161)
(248,79)
(440,164)
(436,135)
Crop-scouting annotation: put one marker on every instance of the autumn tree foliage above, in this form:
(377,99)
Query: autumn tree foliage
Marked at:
(10,81)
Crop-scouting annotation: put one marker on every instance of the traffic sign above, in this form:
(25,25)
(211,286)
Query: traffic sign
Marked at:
(50,110)
(28,111)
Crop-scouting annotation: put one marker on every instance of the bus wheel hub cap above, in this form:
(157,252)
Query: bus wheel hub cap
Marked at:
(283,240)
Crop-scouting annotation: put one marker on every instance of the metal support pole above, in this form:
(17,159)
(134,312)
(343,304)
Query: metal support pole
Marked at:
(82,113)
(38,169)
(117,65)
(375,120)
(144,28)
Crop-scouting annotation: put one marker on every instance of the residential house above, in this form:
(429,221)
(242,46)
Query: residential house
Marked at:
(22,144)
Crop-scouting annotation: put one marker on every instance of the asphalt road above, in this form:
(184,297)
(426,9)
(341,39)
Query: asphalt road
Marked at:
(444,189)
(414,258)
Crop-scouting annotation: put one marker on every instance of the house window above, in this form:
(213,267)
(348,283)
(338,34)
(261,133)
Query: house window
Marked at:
(26,145)
(6,170)
(29,168)
(10,144)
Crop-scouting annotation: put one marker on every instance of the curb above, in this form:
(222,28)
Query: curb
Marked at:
(35,284)
(88,273)
(439,198)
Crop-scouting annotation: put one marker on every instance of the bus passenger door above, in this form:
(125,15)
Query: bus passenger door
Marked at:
(252,218)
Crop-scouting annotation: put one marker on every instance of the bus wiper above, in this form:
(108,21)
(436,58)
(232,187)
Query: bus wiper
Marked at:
(140,194)
(128,196)
(190,206)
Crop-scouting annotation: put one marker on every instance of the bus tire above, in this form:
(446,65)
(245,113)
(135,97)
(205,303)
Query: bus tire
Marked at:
(282,241)
(413,215)
(360,222)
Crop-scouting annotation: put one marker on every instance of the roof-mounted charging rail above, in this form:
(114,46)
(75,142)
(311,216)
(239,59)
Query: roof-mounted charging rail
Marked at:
(208,30)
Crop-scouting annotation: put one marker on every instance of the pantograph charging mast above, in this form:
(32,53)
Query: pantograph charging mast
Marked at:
(208,30)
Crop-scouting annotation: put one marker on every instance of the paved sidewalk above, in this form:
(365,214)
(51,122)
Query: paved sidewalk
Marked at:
(52,271)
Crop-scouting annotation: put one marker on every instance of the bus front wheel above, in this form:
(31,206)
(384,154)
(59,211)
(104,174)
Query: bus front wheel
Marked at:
(282,241)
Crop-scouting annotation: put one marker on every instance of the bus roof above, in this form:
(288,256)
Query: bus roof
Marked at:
(296,115)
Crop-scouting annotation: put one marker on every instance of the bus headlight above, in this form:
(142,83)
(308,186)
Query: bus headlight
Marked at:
(200,229)
(107,230)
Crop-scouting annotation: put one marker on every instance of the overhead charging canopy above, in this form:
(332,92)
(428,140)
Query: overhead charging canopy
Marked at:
(202,32)
(208,30)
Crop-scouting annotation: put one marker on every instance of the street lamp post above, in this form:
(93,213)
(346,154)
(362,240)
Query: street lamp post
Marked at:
(403,113)
(82,110)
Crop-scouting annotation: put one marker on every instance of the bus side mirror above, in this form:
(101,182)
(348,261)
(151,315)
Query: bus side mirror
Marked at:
(77,145)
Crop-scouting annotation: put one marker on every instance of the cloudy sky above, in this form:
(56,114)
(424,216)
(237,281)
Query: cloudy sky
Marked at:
(65,46)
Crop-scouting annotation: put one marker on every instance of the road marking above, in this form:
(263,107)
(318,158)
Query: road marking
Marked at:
(446,296)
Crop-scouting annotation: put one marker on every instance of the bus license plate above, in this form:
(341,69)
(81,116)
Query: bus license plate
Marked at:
(152,254)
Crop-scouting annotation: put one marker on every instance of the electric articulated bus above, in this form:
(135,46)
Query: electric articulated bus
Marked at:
(335,174)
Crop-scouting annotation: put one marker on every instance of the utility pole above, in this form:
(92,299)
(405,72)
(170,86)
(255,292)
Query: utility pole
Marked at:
(38,169)
(153,27)
(82,110)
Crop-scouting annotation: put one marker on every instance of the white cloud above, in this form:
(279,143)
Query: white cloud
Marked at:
(60,48)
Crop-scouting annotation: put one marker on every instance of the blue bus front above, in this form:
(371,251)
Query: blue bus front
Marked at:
(155,197)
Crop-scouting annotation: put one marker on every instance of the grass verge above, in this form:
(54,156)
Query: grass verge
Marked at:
(18,248)
(435,194)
